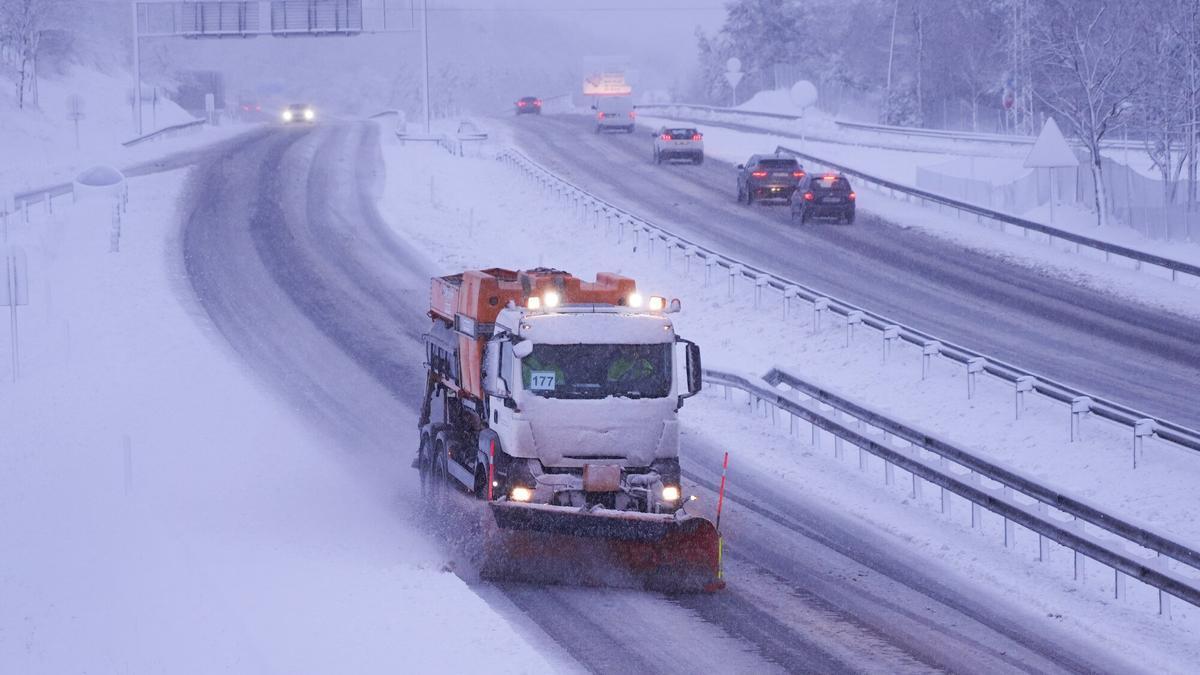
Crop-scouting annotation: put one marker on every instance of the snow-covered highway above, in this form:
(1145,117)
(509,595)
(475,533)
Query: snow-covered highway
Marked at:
(1138,355)
(289,256)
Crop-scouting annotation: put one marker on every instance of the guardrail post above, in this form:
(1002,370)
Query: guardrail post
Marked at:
(1010,535)
(976,511)
(793,425)
(975,365)
(1118,585)
(1043,549)
(1024,383)
(837,440)
(890,335)
(1164,598)
(820,305)
(708,268)
(734,271)
(929,349)
(1079,559)
(945,493)
(889,473)
(916,487)
(649,240)
(1080,406)
(1141,429)
(816,433)
(635,229)
(25,208)
(788,294)
(667,246)
(854,318)
(759,283)
(687,261)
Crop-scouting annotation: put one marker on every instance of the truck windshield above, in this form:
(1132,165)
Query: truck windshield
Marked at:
(598,371)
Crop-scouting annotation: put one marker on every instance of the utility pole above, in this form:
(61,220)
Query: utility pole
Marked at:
(892,48)
(425,60)
(137,71)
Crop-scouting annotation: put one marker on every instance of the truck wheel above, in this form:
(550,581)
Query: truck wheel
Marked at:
(749,196)
(699,159)
(439,481)
(424,455)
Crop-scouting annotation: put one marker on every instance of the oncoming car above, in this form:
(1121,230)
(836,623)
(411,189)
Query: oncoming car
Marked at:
(678,143)
(824,196)
(299,113)
(529,105)
(768,177)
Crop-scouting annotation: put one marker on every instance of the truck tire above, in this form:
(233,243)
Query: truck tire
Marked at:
(424,455)
(439,481)
(699,159)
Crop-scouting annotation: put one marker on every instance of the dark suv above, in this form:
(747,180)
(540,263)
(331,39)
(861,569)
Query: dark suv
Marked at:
(825,196)
(768,177)
(529,105)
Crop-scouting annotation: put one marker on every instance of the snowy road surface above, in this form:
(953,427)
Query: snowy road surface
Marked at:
(1136,355)
(288,255)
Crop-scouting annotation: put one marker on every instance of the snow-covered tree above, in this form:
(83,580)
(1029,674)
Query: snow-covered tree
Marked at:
(21,25)
(1088,75)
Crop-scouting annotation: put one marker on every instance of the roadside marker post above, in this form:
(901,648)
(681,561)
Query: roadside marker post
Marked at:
(15,293)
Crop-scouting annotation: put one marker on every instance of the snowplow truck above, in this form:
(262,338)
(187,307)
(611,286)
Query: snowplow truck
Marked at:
(556,401)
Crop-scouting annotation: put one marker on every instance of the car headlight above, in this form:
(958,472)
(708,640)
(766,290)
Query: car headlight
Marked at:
(670,493)
(287,115)
(308,114)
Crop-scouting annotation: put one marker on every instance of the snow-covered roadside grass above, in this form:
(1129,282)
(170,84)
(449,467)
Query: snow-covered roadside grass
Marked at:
(1088,268)
(507,222)
(163,511)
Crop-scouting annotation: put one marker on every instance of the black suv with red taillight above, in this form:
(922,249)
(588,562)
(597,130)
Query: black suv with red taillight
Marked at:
(824,195)
(768,178)
(529,105)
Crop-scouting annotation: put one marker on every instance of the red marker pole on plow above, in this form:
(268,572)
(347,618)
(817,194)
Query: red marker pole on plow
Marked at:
(720,539)
(721,492)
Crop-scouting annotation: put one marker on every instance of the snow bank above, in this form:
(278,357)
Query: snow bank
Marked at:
(160,511)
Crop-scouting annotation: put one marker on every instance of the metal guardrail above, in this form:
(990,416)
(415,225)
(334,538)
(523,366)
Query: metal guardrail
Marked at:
(1176,267)
(891,130)
(164,132)
(1070,534)
(1140,424)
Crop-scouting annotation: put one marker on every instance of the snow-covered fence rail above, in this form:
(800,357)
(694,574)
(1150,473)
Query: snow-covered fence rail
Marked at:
(166,132)
(1140,258)
(1131,550)
(629,229)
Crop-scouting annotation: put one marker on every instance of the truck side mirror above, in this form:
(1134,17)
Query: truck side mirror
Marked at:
(695,371)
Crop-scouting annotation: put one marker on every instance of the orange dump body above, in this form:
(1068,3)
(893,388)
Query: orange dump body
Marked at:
(479,295)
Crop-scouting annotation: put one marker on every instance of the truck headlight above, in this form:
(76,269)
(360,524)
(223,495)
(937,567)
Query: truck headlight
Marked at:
(670,493)
(308,114)
(521,494)
(287,115)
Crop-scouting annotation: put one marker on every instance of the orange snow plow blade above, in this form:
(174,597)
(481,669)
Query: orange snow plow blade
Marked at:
(557,544)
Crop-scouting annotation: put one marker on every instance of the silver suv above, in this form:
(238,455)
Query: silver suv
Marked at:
(678,143)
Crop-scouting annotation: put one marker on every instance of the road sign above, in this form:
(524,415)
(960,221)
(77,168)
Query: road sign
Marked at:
(803,94)
(733,78)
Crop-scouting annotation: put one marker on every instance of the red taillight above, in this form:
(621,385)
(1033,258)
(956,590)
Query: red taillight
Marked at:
(521,104)
(798,174)
(599,115)
(666,137)
(808,196)
(759,174)
(538,103)
(853,196)
(696,137)
(632,114)
(258,108)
